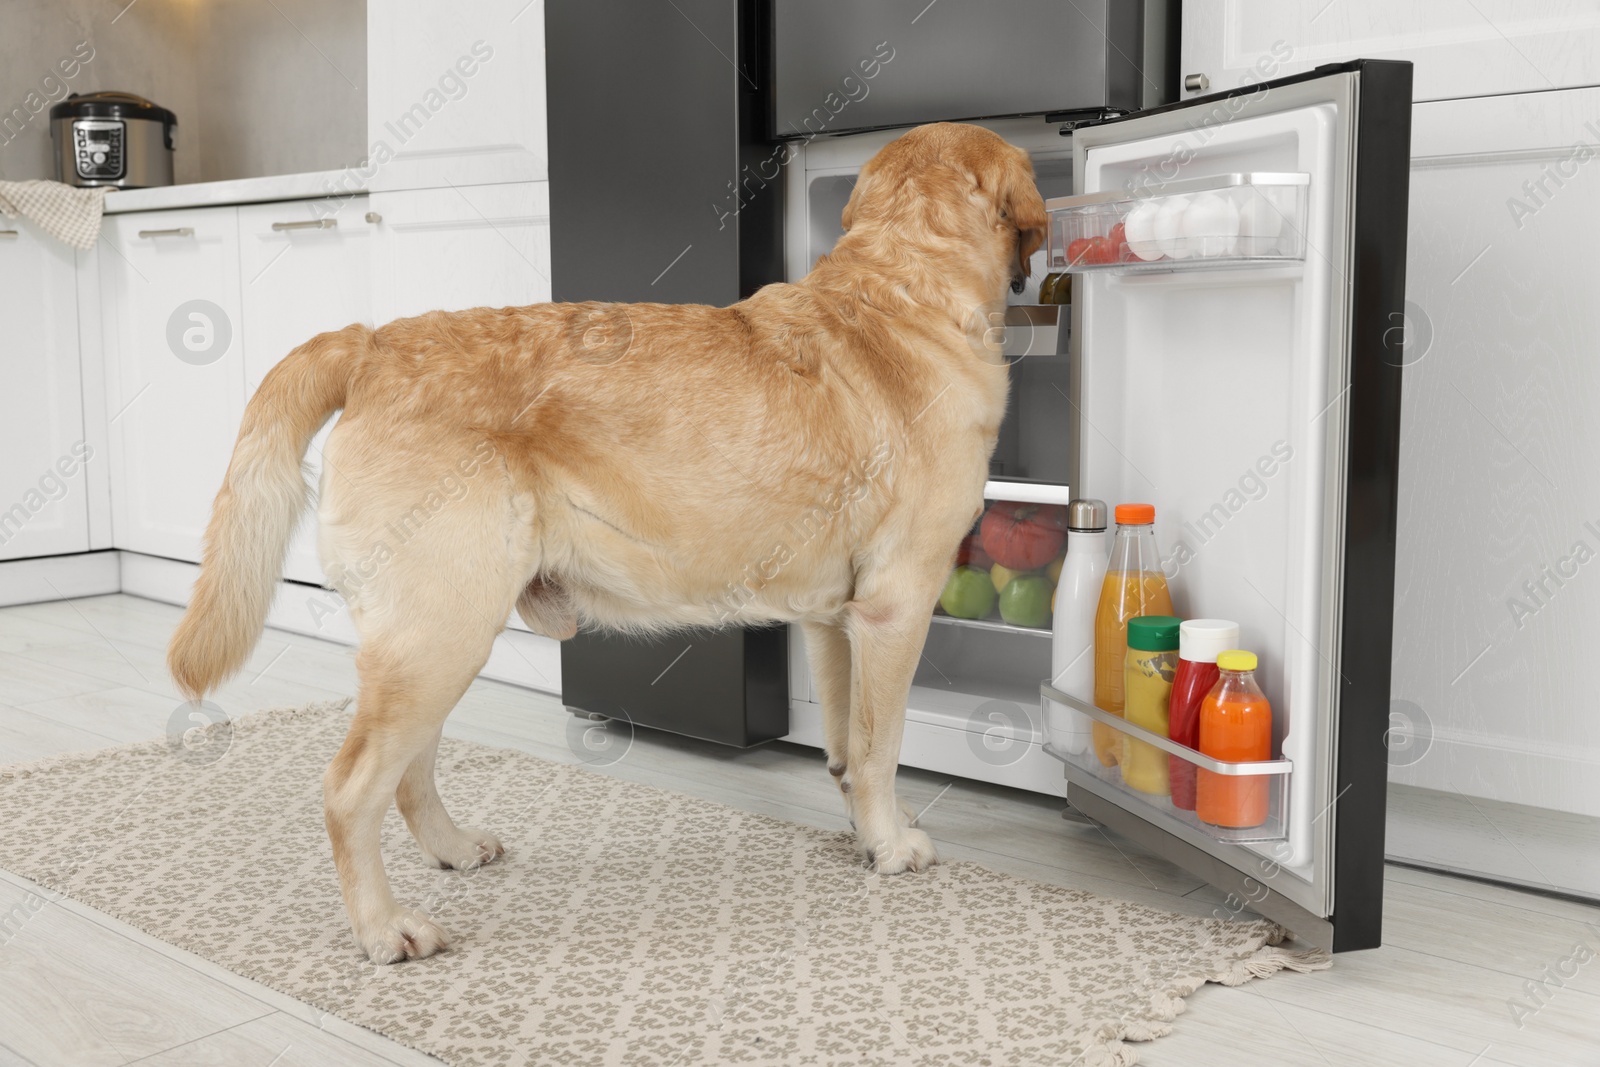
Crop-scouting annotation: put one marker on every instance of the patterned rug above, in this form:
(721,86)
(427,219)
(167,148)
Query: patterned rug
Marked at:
(626,924)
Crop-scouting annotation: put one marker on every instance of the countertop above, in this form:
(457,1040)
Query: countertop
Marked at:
(239,191)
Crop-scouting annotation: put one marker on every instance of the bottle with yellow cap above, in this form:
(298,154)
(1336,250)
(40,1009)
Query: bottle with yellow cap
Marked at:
(1236,726)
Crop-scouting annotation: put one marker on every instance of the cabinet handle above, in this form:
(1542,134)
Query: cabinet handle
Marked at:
(1196,83)
(176,231)
(9,235)
(308,224)
(374,218)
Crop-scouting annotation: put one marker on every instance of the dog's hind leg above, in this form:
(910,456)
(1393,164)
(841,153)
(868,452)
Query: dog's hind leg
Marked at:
(443,843)
(427,613)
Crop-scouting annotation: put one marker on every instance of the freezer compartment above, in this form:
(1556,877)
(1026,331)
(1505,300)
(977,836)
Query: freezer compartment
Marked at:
(1216,221)
(1266,780)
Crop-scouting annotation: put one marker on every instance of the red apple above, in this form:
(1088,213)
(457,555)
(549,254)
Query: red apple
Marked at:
(1023,537)
(971,553)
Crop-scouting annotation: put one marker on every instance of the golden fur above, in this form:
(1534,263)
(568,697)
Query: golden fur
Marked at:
(812,454)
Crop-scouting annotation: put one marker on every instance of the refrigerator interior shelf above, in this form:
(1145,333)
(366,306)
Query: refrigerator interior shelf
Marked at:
(995,625)
(1272,775)
(1214,222)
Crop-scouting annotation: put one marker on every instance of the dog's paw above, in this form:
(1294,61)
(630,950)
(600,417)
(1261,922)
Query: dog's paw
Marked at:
(406,935)
(907,849)
(466,849)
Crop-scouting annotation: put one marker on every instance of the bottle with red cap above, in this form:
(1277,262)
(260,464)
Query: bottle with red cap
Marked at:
(1200,642)
(1134,585)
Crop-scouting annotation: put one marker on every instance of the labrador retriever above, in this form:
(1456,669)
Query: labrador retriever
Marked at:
(812,455)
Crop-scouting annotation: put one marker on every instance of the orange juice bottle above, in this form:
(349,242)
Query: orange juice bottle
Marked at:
(1236,726)
(1134,585)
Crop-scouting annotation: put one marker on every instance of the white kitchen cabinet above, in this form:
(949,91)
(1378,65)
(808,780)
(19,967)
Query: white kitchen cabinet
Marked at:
(302,272)
(1497,605)
(449,249)
(1460,49)
(455,93)
(43,495)
(171,327)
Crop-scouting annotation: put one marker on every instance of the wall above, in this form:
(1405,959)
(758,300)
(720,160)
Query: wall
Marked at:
(282,86)
(142,50)
(259,87)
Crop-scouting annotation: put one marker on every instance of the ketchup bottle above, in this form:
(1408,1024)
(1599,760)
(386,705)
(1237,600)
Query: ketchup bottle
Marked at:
(1200,641)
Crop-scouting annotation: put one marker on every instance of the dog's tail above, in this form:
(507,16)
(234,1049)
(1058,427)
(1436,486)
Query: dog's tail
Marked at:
(257,509)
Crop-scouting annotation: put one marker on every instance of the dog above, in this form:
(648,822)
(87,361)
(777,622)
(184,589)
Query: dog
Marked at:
(813,454)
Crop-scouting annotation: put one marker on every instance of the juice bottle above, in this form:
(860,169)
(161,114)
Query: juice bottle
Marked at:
(1235,725)
(1200,642)
(1147,686)
(1134,585)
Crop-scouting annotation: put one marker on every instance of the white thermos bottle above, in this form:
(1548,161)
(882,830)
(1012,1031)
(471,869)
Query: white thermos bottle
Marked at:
(1072,641)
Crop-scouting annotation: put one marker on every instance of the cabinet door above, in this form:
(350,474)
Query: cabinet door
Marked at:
(455,93)
(1472,49)
(448,249)
(302,274)
(1498,601)
(43,495)
(174,369)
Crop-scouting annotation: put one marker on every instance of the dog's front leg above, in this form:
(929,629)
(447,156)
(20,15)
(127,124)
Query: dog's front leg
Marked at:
(887,632)
(828,649)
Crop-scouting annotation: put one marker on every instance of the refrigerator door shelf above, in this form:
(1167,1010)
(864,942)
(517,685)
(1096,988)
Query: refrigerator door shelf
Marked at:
(1160,809)
(1205,223)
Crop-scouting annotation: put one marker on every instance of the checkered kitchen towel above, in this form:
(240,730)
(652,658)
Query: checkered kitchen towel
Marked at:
(64,212)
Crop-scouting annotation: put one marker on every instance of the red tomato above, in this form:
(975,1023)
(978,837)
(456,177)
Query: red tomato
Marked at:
(1023,537)
(1119,243)
(1100,251)
(1077,251)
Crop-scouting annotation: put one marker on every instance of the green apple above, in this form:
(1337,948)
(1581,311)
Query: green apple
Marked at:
(968,593)
(1025,601)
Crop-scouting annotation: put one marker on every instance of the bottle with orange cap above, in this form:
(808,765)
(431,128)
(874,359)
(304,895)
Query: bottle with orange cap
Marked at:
(1134,585)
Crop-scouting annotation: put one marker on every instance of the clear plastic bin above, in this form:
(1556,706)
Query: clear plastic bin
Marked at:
(1275,774)
(1225,220)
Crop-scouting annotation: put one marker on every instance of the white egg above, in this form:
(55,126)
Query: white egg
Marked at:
(1140,229)
(1169,226)
(1260,222)
(1210,226)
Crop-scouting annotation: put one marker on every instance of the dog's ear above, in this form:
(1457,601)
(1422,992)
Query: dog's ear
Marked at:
(1023,208)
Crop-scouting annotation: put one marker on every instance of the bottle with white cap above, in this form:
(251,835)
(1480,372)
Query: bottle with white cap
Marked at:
(1200,642)
(1072,640)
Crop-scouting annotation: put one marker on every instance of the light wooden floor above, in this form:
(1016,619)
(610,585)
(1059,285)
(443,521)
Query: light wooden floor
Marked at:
(79,988)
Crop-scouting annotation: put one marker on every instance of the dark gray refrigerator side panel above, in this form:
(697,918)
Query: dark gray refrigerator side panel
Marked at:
(654,111)
(661,191)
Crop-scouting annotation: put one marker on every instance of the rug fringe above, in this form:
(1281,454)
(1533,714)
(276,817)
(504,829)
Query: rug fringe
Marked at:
(1113,1047)
(1269,960)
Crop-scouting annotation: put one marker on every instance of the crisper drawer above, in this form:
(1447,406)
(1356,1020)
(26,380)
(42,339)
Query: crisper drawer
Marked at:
(991,630)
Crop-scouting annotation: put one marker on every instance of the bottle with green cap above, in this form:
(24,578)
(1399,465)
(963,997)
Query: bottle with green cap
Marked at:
(1151,665)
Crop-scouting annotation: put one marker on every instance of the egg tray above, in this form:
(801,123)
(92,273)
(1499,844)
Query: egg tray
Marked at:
(1225,220)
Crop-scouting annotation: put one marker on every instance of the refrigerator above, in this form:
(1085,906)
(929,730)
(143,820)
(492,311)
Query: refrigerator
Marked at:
(1236,363)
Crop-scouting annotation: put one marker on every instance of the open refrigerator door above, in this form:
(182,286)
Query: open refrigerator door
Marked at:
(1239,284)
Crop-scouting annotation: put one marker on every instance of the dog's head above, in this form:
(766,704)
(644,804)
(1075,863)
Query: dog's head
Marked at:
(951,181)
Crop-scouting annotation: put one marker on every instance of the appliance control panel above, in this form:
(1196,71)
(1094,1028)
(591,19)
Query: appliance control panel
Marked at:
(98,148)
